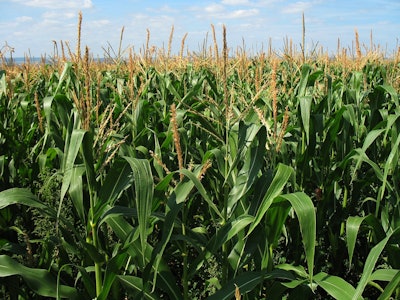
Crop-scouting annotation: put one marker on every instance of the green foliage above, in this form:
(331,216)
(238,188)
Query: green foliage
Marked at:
(155,184)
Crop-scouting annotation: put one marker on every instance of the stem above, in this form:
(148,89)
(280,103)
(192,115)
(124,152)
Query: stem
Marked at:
(342,226)
(303,40)
(227,149)
(97,265)
(224,246)
(185,280)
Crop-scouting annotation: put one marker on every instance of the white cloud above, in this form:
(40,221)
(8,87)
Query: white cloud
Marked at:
(214,8)
(297,7)
(220,11)
(58,15)
(242,13)
(57,4)
(235,2)
(24,19)
(98,23)
(155,23)
(167,9)
(87,4)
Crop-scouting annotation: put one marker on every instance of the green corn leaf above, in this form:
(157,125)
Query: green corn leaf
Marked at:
(144,189)
(114,266)
(275,219)
(71,151)
(279,181)
(245,282)
(39,280)
(370,263)
(87,153)
(253,161)
(305,211)
(118,179)
(19,196)
(391,91)
(390,166)
(353,225)
(68,66)
(88,280)
(362,156)
(136,284)
(200,188)
(298,270)
(240,140)
(392,286)
(305,110)
(76,191)
(335,286)
(183,189)
(175,204)
(384,275)
(180,193)
(166,279)
(57,110)
(25,197)
(228,231)
(116,211)
(3,83)
(305,73)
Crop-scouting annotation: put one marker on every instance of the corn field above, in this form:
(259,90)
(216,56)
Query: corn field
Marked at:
(214,175)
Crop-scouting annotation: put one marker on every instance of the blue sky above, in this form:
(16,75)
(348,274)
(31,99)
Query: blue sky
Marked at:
(30,26)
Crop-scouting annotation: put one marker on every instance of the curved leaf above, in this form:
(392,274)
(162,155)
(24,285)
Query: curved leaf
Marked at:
(305,211)
(144,189)
(335,286)
(19,196)
(391,287)
(253,161)
(247,281)
(136,284)
(278,183)
(370,263)
(39,280)
(353,225)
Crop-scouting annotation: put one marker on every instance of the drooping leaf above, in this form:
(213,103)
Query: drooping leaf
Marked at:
(70,153)
(228,231)
(39,280)
(247,281)
(384,275)
(278,183)
(118,179)
(390,166)
(305,211)
(391,287)
(136,284)
(353,225)
(144,189)
(113,268)
(335,286)
(305,110)
(305,73)
(253,161)
(166,280)
(19,196)
(76,192)
(370,263)
(200,188)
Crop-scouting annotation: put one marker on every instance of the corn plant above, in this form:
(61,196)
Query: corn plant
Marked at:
(217,177)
